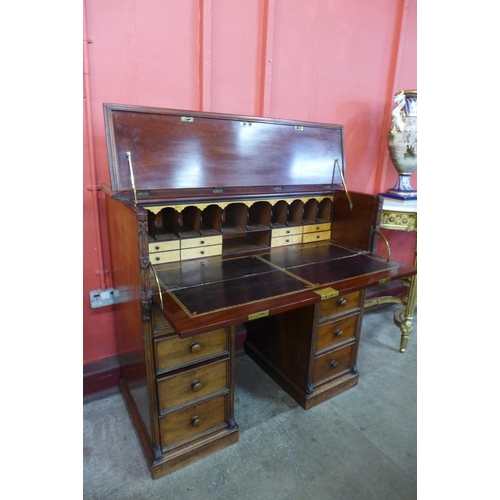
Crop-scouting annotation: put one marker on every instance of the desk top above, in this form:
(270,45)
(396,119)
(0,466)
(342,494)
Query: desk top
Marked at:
(215,292)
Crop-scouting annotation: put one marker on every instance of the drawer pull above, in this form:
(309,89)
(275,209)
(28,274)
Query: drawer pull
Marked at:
(196,385)
(338,333)
(317,228)
(202,242)
(318,236)
(157,247)
(195,347)
(196,421)
(157,258)
(287,241)
(342,302)
(334,364)
(288,231)
(202,252)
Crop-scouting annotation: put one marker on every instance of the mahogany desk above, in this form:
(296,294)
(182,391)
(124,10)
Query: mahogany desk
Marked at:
(216,221)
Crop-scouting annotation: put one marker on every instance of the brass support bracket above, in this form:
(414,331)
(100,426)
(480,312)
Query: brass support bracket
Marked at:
(158,284)
(384,239)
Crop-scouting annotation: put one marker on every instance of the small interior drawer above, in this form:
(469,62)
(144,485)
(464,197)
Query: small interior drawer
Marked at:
(334,332)
(201,252)
(332,364)
(314,228)
(173,351)
(201,242)
(280,241)
(163,246)
(163,257)
(286,231)
(192,384)
(187,423)
(310,237)
(338,304)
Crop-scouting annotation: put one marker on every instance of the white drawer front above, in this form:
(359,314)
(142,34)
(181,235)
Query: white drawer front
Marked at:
(201,252)
(199,242)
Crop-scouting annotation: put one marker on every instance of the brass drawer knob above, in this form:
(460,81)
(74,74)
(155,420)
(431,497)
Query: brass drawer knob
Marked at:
(196,421)
(195,347)
(338,333)
(342,302)
(196,385)
(334,364)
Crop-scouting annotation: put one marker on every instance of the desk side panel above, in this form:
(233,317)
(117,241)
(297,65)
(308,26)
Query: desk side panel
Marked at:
(125,228)
(353,227)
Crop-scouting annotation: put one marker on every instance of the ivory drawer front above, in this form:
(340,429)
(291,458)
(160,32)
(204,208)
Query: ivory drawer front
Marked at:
(201,242)
(310,237)
(336,331)
(192,384)
(174,351)
(280,241)
(164,246)
(314,228)
(187,423)
(338,304)
(332,364)
(162,257)
(199,252)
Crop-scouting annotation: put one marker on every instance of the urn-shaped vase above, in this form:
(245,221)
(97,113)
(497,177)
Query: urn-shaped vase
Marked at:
(402,141)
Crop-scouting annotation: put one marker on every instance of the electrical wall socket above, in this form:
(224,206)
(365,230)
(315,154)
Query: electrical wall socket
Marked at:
(101,298)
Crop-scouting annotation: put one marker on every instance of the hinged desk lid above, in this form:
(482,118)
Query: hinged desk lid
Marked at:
(175,149)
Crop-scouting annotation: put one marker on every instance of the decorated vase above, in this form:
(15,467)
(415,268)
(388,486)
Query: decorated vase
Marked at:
(402,141)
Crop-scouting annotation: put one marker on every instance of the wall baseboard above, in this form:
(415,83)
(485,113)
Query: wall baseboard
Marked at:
(101,378)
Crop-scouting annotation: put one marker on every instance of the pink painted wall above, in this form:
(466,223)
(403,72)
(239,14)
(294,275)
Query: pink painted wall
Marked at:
(336,61)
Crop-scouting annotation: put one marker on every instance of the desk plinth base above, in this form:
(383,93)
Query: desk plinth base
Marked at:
(307,400)
(193,452)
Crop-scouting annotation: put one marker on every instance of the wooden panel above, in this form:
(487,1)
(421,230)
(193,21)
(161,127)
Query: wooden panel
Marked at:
(339,304)
(332,364)
(181,425)
(192,384)
(336,331)
(183,149)
(173,351)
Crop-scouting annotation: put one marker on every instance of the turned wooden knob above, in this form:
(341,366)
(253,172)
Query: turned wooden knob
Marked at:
(334,364)
(195,347)
(342,301)
(202,252)
(196,421)
(157,247)
(202,242)
(338,333)
(196,385)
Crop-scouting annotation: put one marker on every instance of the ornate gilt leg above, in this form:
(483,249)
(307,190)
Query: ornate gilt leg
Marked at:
(403,317)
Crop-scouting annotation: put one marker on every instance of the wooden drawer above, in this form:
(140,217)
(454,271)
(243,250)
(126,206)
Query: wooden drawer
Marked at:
(314,228)
(310,237)
(200,252)
(286,231)
(173,351)
(201,242)
(164,246)
(192,384)
(332,364)
(338,304)
(280,241)
(162,257)
(187,423)
(336,331)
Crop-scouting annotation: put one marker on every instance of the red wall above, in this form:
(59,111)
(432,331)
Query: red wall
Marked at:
(336,61)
